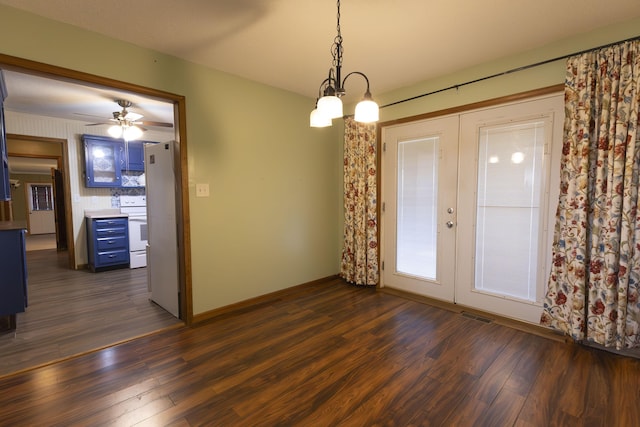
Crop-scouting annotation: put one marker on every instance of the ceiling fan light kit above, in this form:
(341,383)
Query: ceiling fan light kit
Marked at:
(329,104)
(126,132)
(126,122)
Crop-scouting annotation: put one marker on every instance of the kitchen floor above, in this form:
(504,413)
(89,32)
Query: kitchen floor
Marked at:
(72,312)
(38,242)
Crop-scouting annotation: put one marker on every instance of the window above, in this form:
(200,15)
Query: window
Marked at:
(41,197)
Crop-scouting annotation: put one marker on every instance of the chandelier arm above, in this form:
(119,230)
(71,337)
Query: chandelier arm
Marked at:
(360,74)
(321,89)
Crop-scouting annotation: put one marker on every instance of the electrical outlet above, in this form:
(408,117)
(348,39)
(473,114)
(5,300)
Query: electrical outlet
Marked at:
(202,190)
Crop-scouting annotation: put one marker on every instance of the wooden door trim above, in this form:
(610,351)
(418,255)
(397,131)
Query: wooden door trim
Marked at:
(179,101)
(63,162)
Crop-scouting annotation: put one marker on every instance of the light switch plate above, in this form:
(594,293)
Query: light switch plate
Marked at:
(202,190)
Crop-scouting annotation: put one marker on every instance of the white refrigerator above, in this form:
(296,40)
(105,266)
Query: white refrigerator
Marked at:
(162,248)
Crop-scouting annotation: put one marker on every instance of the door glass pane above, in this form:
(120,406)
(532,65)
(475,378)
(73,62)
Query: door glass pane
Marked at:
(416,207)
(510,168)
(41,197)
(103,163)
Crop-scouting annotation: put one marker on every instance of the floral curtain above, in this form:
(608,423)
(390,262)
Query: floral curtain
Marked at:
(594,282)
(360,252)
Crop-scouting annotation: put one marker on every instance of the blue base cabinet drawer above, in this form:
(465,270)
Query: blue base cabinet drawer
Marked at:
(117,257)
(111,243)
(110,231)
(104,224)
(107,243)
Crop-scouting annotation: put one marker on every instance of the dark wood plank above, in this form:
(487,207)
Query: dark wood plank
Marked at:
(331,354)
(72,312)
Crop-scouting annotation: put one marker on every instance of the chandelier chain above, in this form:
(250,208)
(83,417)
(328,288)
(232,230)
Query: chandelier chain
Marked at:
(336,48)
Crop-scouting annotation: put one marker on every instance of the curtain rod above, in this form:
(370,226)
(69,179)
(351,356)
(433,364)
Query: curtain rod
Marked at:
(513,70)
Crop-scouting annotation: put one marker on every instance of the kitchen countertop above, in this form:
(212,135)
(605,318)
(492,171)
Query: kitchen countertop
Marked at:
(104,213)
(13,225)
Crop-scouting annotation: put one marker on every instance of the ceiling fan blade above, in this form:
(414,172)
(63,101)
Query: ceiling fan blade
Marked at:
(133,116)
(158,124)
(89,115)
(95,124)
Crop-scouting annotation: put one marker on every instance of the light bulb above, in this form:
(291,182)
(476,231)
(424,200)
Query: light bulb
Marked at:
(132,132)
(317,120)
(330,106)
(367,111)
(517,157)
(115,131)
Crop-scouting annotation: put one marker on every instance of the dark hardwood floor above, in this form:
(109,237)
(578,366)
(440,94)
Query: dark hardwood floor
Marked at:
(327,355)
(71,312)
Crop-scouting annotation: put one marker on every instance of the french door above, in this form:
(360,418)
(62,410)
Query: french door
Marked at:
(474,229)
(420,209)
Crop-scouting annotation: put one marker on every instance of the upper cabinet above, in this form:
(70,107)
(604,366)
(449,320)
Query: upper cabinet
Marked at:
(103,157)
(112,163)
(5,187)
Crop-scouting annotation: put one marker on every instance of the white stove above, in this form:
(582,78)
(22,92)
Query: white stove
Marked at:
(136,208)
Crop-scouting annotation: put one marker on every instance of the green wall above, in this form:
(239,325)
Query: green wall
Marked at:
(275,205)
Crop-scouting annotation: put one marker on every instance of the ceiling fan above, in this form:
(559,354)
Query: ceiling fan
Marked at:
(133,118)
(124,115)
(127,124)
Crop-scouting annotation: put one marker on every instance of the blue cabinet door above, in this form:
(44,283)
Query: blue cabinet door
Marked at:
(135,156)
(13,264)
(104,159)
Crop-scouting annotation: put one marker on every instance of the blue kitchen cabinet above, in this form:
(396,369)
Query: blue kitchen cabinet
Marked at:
(112,162)
(107,242)
(13,265)
(104,159)
(134,156)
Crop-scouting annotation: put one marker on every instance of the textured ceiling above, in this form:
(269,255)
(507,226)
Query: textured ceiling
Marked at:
(285,43)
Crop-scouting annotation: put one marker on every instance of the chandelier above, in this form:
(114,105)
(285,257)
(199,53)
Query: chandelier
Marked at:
(329,104)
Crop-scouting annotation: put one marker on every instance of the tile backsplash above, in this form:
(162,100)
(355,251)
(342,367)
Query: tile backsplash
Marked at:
(133,179)
(117,192)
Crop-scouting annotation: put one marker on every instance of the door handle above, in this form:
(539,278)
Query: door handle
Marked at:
(449,224)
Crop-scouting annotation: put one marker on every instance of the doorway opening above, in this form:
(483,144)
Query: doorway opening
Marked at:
(75,230)
(36,161)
